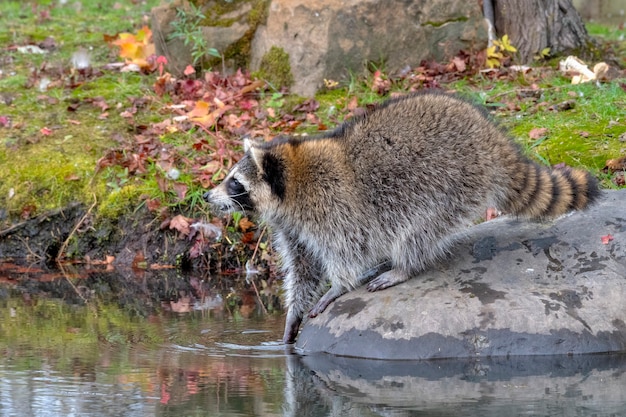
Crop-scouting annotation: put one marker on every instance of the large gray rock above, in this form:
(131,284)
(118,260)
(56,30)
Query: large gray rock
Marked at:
(512,288)
(327,39)
(331,38)
(232,28)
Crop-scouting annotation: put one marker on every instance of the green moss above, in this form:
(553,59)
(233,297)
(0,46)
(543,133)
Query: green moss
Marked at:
(438,24)
(275,68)
(40,171)
(44,176)
(120,202)
(587,135)
(239,52)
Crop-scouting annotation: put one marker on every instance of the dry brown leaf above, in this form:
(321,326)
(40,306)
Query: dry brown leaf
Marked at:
(245,224)
(538,132)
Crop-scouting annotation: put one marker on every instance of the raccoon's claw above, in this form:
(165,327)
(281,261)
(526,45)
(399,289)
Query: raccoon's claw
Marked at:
(319,308)
(331,295)
(387,279)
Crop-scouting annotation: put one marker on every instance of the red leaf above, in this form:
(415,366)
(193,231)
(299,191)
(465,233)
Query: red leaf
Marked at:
(45,131)
(189,70)
(606,239)
(181,190)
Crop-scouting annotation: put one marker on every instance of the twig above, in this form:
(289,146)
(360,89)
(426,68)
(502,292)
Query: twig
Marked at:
(30,251)
(258,242)
(258,296)
(87,303)
(256,248)
(10,229)
(80,222)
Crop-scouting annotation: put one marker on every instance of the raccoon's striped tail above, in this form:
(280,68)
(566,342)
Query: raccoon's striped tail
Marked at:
(541,192)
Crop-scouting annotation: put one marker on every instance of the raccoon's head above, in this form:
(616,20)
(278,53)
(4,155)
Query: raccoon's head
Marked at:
(255,184)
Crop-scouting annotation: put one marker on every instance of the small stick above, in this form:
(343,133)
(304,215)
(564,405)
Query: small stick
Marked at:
(258,296)
(80,222)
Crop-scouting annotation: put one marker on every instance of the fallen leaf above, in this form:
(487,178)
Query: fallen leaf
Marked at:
(459,63)
(180,223)
(619,179)
(245,224)
(538,132)
(181,190)
(201,109)
(618,164)
(45,131)
(136,48)
(606,239)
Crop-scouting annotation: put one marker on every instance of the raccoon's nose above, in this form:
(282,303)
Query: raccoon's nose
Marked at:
(207,196)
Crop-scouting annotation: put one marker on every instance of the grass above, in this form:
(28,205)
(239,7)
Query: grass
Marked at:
(586,135)
(40,171)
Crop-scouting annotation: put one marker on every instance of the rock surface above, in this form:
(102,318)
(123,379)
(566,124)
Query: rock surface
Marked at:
(330,39)
(229,29)
(510,288)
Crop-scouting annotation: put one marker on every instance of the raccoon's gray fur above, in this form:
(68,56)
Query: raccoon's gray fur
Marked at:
(395,186)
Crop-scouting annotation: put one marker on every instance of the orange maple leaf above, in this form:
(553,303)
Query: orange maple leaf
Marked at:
(136,48)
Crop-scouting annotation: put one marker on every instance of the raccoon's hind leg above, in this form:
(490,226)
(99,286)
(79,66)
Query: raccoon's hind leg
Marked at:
(388,279)
(337,290)
(410,256)
(331,295)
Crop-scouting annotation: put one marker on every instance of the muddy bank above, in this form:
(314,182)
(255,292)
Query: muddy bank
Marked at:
(133,240)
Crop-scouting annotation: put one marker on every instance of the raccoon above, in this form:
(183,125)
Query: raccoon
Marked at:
(395,185)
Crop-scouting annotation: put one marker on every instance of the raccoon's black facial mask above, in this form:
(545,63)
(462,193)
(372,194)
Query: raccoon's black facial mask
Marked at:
(274,174)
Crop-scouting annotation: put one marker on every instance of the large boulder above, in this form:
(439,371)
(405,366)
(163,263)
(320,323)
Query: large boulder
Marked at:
(228,27)
(326,39)
(511,288)
(331,38)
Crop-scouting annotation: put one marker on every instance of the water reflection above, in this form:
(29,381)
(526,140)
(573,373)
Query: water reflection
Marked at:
(102,343)
(564,386)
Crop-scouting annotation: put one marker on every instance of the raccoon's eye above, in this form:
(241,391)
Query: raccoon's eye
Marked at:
(235,187)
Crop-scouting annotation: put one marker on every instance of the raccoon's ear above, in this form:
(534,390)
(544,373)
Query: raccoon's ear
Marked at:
(256,154)
(271,168)
(247,144)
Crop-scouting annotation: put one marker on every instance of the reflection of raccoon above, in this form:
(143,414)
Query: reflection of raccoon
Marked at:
(391,186)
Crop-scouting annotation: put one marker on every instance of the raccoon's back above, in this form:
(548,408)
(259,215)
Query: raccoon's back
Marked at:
(442,157)
(428,150)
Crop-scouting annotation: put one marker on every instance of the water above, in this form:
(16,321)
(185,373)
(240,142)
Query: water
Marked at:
(98,343)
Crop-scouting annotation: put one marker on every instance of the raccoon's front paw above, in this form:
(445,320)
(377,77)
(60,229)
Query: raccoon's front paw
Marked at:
(292,325)
(387,279)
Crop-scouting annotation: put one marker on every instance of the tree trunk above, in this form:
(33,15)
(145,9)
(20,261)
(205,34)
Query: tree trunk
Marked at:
(533,25)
